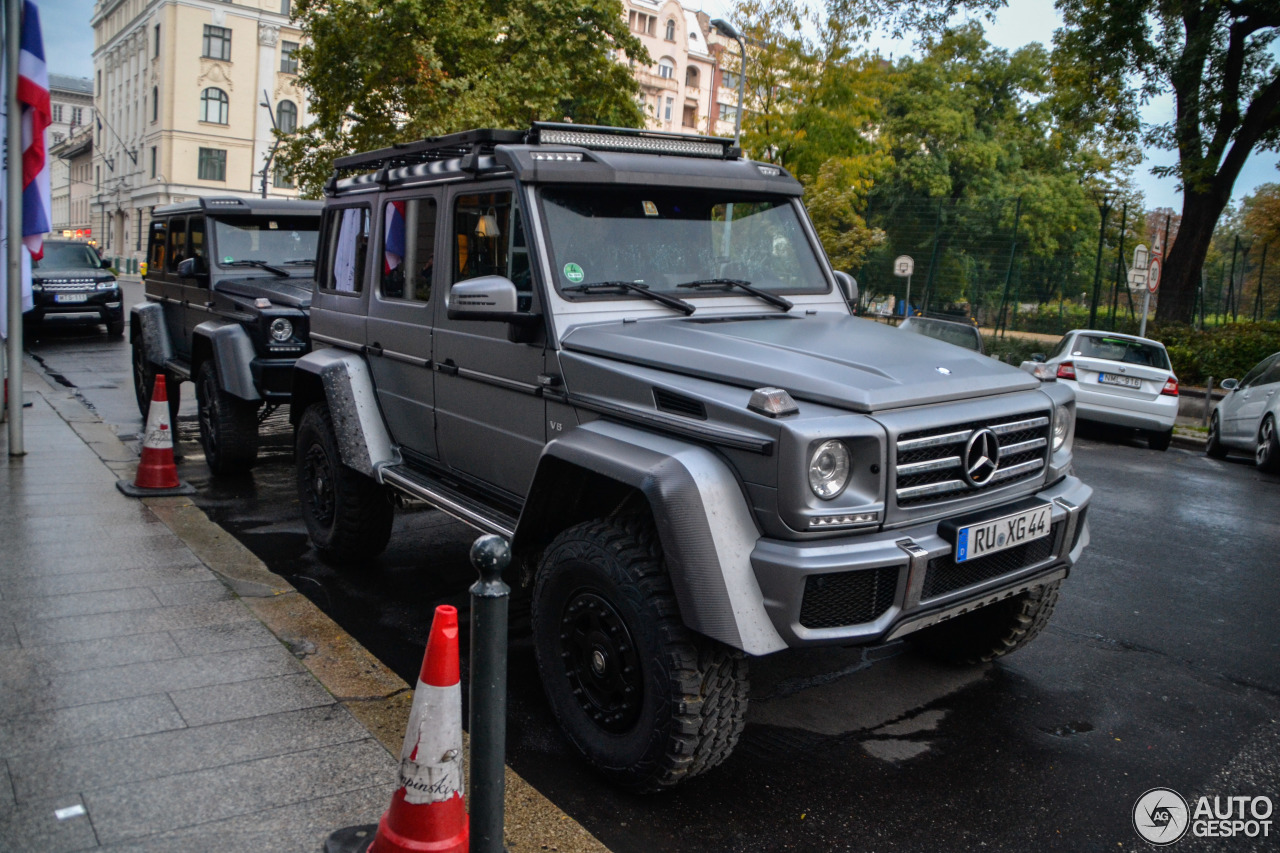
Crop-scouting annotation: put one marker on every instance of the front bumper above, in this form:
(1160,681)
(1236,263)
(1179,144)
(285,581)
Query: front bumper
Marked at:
(106,305)
(878,587)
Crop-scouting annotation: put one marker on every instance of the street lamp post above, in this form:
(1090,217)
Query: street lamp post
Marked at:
(731,31)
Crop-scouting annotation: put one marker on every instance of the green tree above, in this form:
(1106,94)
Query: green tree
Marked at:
(1217,58)
(380,72)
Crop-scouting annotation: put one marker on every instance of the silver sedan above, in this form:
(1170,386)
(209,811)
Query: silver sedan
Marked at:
(1246,419)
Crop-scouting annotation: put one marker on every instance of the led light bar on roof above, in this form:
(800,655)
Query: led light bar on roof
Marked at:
(640,144)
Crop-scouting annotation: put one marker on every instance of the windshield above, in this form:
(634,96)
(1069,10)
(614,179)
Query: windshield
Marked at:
(67,256)
(275,240)
(663,238)
(1121,349)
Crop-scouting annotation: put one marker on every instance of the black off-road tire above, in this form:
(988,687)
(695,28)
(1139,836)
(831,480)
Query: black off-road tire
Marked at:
(1160,440)
(228,425)
(144,382)
(992,631)
(1214,447)
(347,514)
(659,704)
(1267,454)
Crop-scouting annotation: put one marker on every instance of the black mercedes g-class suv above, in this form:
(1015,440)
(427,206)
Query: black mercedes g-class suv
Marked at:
(627,352)
(228,286)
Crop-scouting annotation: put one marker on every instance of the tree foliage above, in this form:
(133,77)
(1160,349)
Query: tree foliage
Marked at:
(385,71)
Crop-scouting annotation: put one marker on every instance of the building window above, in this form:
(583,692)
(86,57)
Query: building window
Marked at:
(156,51)
(671,30)
(690,116)
(729,80)
(57,137)
(77,115)
(217,43)
(287,117)
(666,68)
(727,113)
(691,77)
(155,104)
(281,179)
(213,164)
(285,8)
(666,114)
(57,112)
(288,57)
(153,161)
(214,106)
(642,23)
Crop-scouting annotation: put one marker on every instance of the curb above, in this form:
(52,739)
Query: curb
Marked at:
(1187,442)
(375,696)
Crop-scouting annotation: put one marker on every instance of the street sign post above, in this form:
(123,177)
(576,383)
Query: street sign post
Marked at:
(903,267)
(1153,283)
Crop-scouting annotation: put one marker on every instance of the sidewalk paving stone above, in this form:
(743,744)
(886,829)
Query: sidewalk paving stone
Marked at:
(47,730)
(34,826)
(102,625)
(204,705)
(96,581)
(41,661)
(223,638)
(79,603)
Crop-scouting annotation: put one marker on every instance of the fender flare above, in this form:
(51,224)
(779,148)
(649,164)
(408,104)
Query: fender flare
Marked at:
(704,523)
(146,321)
(232,351)
(363,440)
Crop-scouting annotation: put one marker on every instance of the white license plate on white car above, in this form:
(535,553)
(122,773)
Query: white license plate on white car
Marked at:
(998,534)
(71,297)
(1116,379)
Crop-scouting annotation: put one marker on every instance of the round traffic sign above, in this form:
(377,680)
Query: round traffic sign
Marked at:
(1153,275)
(903,266)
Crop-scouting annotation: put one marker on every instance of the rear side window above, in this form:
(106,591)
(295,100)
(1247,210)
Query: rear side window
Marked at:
(155,251)
(347,250)
(1121,349)
(408,249)
(177,243)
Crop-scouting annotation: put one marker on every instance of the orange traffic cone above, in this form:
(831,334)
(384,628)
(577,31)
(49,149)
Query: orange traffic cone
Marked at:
(428,812)
(157,474)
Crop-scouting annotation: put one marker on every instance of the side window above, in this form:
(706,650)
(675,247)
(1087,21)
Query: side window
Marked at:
(489,239)
(177,243)
(195,239)
(1253,376)
(408,249)
(1273,372)
(155,247)
(1061,347)
(347,250)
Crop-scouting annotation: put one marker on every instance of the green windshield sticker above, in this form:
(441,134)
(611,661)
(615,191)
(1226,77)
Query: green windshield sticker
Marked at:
(573,272)
(228,259)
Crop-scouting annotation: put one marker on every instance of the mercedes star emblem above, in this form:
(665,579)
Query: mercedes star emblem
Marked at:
(944,371)
(981,457)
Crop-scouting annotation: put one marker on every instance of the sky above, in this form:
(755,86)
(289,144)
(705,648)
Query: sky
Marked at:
(69,50)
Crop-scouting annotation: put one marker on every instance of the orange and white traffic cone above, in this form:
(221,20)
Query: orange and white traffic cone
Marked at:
(157,474)
(428,812)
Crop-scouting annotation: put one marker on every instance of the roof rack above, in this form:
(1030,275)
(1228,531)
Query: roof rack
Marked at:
(431,149)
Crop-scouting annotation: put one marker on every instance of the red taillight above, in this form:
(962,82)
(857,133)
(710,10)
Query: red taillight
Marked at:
(1066,370)
(1170,387)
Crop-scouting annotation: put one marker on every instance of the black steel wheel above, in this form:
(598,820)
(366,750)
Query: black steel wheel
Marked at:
(1214,447)
(1267,454)
(348,515)
(646,701)
(228,425)
(144,383)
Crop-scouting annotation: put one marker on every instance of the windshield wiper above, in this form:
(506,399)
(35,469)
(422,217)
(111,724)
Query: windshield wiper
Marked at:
(633,287)
(298,262)
(745,286)
(249,262)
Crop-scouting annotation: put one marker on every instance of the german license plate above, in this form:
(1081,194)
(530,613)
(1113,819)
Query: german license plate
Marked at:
(998,534)
(1116,379)
(70,297)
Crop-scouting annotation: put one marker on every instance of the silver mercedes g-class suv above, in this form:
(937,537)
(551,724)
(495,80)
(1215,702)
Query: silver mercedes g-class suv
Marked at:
(627,352)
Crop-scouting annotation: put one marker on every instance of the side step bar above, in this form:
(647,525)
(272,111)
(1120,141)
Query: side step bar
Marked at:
(467,510)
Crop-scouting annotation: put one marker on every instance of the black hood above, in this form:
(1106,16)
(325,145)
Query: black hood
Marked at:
(827,358)
(294,292)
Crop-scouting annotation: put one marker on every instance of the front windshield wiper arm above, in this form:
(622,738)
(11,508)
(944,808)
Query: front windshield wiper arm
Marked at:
(745,286)
(249,262)
(300,262)
(633,287)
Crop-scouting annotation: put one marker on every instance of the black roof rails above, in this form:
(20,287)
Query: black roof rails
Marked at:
(428,150)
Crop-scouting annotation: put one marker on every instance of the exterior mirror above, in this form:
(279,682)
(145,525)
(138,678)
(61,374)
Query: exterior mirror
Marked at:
(1229,385)
(849,286)
(191,267)
(490,297)
(1038,357)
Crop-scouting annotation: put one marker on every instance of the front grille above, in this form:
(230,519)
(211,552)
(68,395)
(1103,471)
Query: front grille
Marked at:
(847,598)
(944,574)
(71,284)
(930,462)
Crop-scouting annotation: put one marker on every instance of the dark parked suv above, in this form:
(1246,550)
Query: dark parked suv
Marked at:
(627,352)
(228,285)
(69,282)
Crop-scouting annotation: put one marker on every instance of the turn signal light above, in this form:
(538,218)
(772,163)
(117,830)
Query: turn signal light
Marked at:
(1170,387)
(1066,370)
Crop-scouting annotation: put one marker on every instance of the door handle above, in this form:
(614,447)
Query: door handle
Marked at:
(448,368)
(375,348)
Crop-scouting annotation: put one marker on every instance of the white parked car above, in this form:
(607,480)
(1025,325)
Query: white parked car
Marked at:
(1246,418)
(1121,380)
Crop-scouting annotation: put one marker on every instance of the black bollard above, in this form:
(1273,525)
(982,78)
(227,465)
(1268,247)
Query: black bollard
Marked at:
(490,555)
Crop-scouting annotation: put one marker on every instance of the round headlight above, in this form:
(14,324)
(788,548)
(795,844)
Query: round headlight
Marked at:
(1063,419)
(281,329)
(829,469)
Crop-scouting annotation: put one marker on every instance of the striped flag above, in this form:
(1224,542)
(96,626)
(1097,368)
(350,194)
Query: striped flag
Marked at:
(33,100)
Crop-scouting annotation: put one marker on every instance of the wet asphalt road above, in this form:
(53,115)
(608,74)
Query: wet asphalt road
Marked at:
(1161,668)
